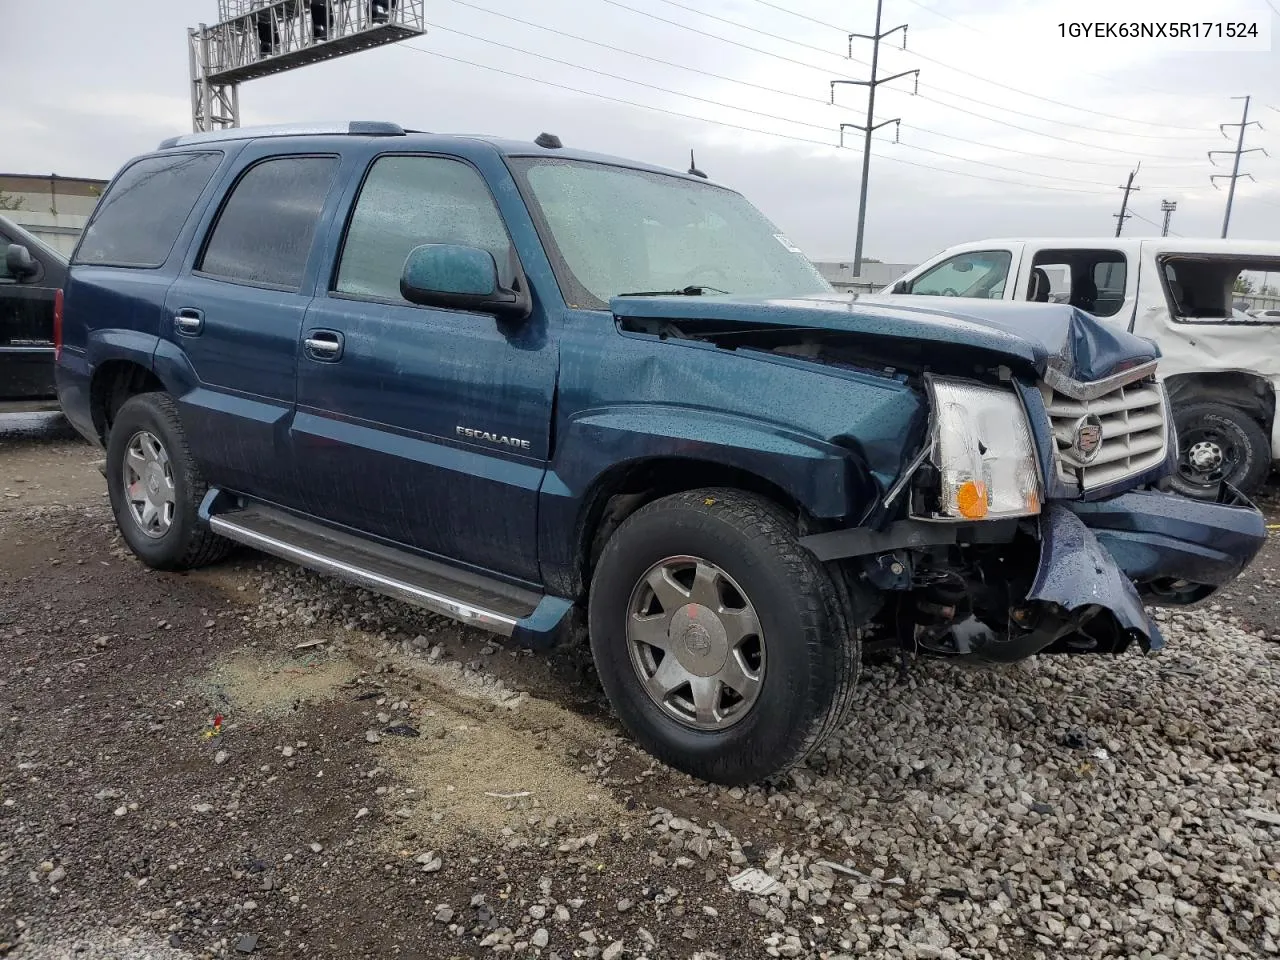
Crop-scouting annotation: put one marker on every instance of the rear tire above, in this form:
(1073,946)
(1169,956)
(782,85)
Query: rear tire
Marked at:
(1219,442)
(739,553)
(156,487)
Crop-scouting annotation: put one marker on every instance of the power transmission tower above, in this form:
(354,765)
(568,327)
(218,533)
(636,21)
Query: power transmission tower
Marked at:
(1128,188)
(1235,167)
(871,126)
(1168,206)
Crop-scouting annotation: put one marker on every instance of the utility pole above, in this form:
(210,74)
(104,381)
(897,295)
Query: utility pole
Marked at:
(871,126)
(1168,206)
(1128,188)
(1235,167)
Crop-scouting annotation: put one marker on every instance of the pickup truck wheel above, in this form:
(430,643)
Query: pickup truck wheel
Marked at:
(1219,442)
(719,640)
(156,487)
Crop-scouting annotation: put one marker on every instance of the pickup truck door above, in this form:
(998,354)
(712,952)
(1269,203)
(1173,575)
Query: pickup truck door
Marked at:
(426,427)
(975,271)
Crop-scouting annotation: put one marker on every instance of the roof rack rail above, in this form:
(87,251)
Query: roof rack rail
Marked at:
(357,128)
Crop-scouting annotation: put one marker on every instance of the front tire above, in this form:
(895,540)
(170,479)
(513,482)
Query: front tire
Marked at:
(718,639)
(1219,442)
(156,487)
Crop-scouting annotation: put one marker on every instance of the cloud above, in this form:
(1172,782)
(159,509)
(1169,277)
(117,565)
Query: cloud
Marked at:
(1087,113)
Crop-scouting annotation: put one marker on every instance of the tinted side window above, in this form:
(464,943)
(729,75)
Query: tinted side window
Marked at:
(265,229)
(980,275)
(409,201)
(4,252)
(138,220)
(1109,278)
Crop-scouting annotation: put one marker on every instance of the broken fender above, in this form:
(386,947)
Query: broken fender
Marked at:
(1077,572)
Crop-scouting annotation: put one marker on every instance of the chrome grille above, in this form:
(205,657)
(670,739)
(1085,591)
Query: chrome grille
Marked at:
(1134,434)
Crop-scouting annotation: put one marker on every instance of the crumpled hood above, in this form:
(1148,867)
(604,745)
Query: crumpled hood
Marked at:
(1040,335)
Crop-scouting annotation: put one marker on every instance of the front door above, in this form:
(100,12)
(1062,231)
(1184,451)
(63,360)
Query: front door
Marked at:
(26,324)
(980,274)
(424,426)
(236,313)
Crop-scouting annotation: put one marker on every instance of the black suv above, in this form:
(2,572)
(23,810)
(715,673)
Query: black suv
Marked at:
(32,275)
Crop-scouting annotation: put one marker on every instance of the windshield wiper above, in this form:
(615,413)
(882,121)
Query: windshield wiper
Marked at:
(690,291)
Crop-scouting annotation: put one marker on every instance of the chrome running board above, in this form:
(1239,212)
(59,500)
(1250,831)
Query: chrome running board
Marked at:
(466,597)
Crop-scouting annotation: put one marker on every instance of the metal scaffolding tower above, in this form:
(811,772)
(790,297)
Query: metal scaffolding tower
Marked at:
(257,38)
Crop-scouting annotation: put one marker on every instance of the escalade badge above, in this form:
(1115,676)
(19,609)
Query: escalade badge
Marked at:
(514,442)
(1087,440)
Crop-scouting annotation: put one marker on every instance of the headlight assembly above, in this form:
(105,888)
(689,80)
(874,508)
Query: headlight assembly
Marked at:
(983,452)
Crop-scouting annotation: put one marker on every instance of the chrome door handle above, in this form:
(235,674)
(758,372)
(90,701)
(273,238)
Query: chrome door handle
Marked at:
(322,346)
(189,321)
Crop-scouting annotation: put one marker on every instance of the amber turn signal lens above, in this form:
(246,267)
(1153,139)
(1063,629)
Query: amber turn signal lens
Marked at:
(971,499)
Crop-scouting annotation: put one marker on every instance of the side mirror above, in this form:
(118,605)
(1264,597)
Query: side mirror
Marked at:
(900,287)
(19,263)
(460,278)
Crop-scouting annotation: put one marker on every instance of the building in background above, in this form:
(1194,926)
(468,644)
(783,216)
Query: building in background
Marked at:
(53,208)
(875,275)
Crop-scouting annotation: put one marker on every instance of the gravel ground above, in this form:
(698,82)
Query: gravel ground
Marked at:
(384,783)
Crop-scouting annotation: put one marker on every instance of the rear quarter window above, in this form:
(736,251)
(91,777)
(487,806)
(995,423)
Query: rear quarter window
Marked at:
(138,220)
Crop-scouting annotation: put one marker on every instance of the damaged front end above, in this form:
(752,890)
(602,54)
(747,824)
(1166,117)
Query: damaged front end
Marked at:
(997,592)
(977,556)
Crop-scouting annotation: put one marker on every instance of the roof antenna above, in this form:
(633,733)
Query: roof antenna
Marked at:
(548,141)
(693,167)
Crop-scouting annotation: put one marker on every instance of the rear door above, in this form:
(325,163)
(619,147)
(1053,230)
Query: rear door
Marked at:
(236,311)
(26,322)
(425,426)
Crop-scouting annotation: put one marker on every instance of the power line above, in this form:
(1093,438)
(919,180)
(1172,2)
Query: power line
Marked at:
(781,92)
(810,66)
(1125,85)
(728,124)
(801,16)
(1038,156)
(729,106)
(1063,123)
(975,76)
(1059,103)
(638,83)
(1153,223)
(994,166)
(714,36)
(640,56)
(743,26)
(1037,133)
(808,46)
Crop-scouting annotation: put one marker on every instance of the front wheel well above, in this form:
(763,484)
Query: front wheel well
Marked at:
(1249,392)
(114,382)
(625,489)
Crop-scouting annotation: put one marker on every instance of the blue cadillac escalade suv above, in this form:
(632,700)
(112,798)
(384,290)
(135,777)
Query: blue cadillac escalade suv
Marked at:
(550,393)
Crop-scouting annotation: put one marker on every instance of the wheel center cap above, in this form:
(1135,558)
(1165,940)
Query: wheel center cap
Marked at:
(698,640)
(1205,455)
(155,479)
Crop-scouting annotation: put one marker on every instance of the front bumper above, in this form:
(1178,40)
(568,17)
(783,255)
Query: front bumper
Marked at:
(1177,550)
(1098,565)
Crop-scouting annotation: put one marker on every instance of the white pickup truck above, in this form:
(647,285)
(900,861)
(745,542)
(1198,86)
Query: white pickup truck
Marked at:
(1221,367)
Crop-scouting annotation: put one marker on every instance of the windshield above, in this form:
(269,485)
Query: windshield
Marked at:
(614,230)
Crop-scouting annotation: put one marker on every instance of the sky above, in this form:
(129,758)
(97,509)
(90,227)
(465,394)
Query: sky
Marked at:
(1012,131)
